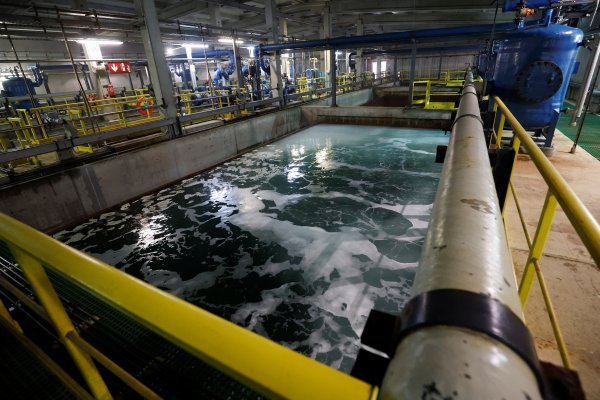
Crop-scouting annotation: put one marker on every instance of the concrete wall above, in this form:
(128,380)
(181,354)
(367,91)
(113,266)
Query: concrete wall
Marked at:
(379,116)
(64,199)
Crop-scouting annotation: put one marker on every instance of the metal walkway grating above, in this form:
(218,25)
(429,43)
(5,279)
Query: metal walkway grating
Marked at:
(167,369)
(164,367)
(22,376)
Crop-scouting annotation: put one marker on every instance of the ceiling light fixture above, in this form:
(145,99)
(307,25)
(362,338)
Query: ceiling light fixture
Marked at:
(229,40)
(193,45)
(105,42)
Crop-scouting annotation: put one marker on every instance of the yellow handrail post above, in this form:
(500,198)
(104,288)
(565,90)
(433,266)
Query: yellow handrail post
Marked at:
(582,220)
(6,315)
(560,340)
(516,145)
(44,292)
(537,247)
(501,130)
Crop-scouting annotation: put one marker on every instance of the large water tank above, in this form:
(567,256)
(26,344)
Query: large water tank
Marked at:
(532,70)
(15,86)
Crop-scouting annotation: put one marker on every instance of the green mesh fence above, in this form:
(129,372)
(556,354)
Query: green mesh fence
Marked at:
(23,377)
(167,369)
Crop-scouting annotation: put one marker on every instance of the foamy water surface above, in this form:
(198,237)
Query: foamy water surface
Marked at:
(296,241)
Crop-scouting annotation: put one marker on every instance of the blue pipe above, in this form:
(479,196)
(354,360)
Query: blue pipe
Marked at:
(429,50)
(58,67)
(354,41)
(265,66)
(209,54)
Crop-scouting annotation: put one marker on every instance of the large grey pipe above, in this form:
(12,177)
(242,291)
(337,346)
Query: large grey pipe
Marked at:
(586,86)
(465,249)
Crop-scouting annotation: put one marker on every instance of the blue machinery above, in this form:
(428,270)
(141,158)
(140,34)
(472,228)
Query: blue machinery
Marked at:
(16,86)
(529,67)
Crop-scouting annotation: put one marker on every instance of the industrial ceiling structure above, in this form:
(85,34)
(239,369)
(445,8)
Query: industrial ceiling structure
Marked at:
(298,19)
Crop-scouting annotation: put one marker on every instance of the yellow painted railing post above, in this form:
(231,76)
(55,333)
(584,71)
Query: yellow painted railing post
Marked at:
(44,292)
(500,130)
(537,247)
(560,340)
(516,145)
(6,315)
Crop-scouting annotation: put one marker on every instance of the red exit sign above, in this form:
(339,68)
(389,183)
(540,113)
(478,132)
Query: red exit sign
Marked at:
(118,67)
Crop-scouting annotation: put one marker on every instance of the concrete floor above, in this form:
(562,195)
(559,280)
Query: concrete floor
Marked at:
(571,275)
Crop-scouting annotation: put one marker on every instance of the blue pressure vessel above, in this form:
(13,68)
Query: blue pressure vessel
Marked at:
(533,66)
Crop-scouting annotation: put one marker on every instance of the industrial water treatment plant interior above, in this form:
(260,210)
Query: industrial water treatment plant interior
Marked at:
(300,199)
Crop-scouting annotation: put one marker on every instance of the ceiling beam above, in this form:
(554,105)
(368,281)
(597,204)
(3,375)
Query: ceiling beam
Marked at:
(379,6)
(180,9)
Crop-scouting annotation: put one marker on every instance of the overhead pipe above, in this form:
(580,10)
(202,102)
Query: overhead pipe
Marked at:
(462,331)
(427,50)
(209,54)
(355,41)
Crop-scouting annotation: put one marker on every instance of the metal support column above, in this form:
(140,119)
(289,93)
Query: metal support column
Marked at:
(160,75)
(465,250)
(238,70)
(395,77)
(411,80)
(326,33)
(358,58)
(332,77)
(583,92)
(272,21)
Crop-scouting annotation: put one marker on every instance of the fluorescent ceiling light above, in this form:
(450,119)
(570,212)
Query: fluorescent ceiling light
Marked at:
(100,41)
(229,40)
(201,46)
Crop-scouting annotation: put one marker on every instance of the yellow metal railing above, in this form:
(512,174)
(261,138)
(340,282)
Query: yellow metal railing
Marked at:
(262,365)
(444,75)
(559,192)
(427,96)
(30,130)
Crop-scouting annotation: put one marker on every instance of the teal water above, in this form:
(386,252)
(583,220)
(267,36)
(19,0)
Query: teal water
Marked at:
(297,240)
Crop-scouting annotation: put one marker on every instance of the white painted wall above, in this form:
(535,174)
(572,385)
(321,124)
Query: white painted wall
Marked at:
(64,80)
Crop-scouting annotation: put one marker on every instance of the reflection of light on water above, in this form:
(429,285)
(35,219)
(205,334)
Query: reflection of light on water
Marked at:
(294,173)
(323,156)
(150,228)
(297,152)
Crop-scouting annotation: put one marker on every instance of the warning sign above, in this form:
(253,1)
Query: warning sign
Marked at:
(118,67)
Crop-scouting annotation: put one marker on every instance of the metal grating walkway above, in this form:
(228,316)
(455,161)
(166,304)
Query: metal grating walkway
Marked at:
(168,370)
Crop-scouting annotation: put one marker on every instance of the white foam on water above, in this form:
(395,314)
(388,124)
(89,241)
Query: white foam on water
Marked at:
(331,265)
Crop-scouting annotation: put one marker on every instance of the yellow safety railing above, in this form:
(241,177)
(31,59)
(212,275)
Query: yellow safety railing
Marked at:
(106,115)
(262,365)
(426,96)
(559,192)
(444,75)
